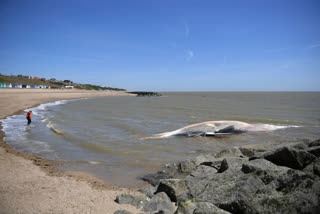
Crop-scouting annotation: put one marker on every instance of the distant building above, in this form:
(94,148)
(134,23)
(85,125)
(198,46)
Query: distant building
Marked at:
(43,79)
(53,79)
(67,81)
(26,86)
(36,78)
(28,77)
(19,75)
(69,86)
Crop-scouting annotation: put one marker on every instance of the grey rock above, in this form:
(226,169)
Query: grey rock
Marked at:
(288,181)
(208,208)
(303,199)
(316,167)
(315,150)
(264,169)
(135,200)
(237,198)
(230,152)
(230,190)
(315,143)
(309,169)
(174,188)
(224,166)
(251,152)
(289,157)
(203,171)
(122,212)
(148,191)
(160,203)
(193,207)
(299,145)
(199,178)
(189,165)
(170,171)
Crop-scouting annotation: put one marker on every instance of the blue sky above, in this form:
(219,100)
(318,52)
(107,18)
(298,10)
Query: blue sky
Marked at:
(167,45)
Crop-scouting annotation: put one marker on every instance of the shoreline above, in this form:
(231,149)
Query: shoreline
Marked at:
(22,165)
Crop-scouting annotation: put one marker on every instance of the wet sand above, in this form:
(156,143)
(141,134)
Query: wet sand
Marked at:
(31,184)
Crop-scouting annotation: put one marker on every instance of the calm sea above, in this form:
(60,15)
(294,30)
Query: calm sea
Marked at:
(104,136)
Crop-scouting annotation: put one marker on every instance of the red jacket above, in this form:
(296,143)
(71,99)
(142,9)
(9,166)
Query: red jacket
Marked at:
(29,115)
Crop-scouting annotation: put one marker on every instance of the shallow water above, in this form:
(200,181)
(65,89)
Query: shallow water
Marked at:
(104,136)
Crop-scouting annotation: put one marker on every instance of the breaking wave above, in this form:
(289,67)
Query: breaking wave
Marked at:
(53,128)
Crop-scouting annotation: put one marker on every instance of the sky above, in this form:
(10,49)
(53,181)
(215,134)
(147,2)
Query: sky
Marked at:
(165,45)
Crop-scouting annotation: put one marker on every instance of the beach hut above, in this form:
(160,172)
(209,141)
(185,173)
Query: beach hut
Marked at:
(28,86)
(37,86)
(9,86)
(4,85)
(1,85)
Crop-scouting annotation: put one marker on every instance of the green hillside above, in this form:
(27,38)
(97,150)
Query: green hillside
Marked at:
(53,84)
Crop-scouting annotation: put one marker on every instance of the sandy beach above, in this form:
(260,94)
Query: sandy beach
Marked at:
(31,184)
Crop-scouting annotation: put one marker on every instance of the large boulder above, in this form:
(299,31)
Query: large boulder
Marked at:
(160,203)
(208,208)
(224,166)
(170,171)
(316,167)
(264,169)
(315,150)
(188,166)
(315,143)
(304,198)
(251,152)
(230,190)
(193,207)
(135,200)
(227,163)
(287,182)
(174,188)
(289,157)
(148,191)
(229,152)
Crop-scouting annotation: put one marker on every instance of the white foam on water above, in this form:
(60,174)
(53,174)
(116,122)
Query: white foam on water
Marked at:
(16,129)
(53,128)
(94,162)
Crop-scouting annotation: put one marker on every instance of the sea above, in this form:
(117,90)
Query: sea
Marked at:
(108,137)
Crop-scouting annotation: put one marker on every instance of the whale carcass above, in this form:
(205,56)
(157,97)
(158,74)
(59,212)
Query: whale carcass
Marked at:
(215,128)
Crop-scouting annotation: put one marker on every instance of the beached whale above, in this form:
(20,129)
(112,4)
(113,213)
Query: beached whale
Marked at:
(215,128)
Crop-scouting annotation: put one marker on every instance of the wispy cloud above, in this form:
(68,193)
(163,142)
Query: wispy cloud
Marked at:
(190,54)
(309,47)
(187,30)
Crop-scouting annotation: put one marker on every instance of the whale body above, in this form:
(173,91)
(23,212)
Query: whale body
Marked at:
(215,128)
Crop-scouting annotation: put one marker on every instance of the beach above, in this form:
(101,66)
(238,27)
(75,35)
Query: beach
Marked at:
(30,184)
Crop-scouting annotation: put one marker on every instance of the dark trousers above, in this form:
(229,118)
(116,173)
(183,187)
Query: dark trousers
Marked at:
(29,120)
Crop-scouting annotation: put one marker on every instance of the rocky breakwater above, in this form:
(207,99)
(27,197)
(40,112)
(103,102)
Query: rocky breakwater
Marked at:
(248,179)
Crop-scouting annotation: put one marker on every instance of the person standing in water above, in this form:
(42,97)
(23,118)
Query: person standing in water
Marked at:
(29,116)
